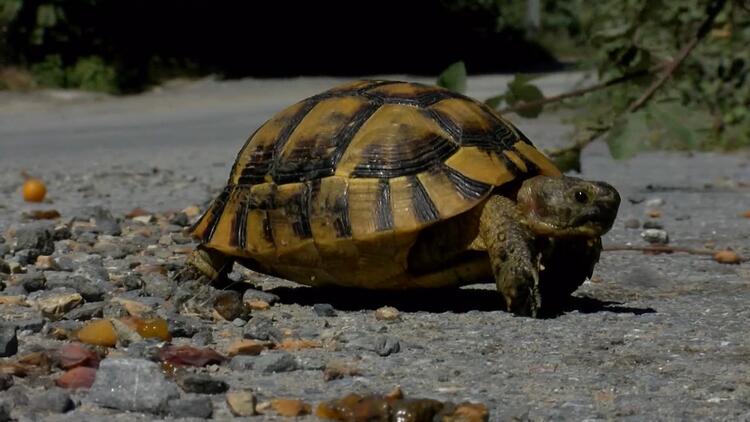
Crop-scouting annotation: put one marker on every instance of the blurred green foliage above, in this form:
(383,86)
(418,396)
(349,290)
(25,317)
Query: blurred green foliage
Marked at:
(706,103)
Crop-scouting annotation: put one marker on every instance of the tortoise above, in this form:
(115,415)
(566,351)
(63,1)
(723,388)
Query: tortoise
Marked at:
(381,184)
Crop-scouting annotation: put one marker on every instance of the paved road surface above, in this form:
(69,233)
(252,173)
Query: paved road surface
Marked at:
(660,337)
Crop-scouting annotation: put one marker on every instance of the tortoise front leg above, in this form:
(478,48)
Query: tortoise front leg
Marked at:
(206,262)
(513,256)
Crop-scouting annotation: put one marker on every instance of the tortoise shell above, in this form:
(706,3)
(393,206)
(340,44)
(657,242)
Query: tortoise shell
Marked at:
(336,188)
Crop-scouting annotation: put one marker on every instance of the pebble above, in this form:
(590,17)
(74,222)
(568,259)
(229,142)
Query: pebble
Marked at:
(242,363)
(275,361)
(32,282)
(251,294)
(241,403)
(100,333)
(651,224)
(262,328)
(191,407)
(229,305)
(4,267)
(191,211)
(125,334)
(203,337)
(89,291)
(180,219)
(54,400)
(36,236)
(203,384)
(6,381)
(148,349)
(135,385)
(16,395)
(157,285)
(139,306)
(78,377)
(62,330)
(387,313)
(632,223)
(109,250)
(86,312)
(5,408)
(107,225)
(46,262)
(290,408)
(16,268)
(247,347)
(8,341)
(55,303)
(324,310)
(382,345)
(655,236)
(182,326)
(65,263)
(113,310)
(34,324)
(654,202)
(131,282)
(27,256)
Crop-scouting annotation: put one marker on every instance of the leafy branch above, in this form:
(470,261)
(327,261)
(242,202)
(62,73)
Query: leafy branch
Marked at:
(635,106)
(712,12)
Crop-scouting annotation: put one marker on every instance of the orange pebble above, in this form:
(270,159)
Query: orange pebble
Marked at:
(34,190)
(154,328)
(100,333)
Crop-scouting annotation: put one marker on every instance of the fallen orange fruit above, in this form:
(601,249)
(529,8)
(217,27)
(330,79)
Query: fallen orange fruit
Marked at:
(34,190)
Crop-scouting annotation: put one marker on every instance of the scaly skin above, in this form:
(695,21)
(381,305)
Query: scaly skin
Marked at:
(555,223)
(513,255)
(205,262)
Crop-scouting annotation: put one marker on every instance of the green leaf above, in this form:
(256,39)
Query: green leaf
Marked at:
(495,101)
(9,9)
(675,132)
(520,79)
(454,77)
(525,93)
(46,16)
(628,136)
(568,161)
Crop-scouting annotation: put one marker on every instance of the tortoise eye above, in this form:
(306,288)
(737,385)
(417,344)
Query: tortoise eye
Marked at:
(582,197)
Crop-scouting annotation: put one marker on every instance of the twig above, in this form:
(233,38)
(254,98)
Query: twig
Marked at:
(729,256)
(712,11)
(659,249)
(583,91)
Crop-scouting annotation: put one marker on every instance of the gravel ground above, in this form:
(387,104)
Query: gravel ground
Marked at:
(650,337)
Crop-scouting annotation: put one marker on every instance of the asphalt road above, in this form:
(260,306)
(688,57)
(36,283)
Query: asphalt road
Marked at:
(651,337)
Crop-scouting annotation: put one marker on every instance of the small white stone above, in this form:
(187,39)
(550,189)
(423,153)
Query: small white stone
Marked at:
(655,236)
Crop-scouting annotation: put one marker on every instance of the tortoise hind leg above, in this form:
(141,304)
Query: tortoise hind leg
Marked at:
(205,262)
(513,256)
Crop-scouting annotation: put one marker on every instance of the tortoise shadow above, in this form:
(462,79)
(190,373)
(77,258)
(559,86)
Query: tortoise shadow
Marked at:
(433,300)
(590,305)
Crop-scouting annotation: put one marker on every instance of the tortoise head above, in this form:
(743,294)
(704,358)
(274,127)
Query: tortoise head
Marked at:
(568,206)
